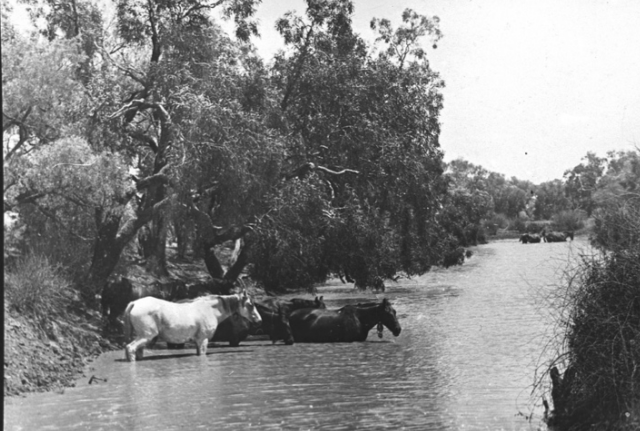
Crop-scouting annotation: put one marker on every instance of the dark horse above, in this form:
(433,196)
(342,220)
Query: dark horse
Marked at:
(530,238)
(275,314)
(349,323)
(557,236)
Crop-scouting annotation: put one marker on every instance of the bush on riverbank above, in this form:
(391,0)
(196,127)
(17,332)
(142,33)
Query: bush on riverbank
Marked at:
(600,388)
(36,288)
(569,220)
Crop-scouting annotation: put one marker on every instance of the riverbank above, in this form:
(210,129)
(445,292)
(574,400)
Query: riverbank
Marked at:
(38,359)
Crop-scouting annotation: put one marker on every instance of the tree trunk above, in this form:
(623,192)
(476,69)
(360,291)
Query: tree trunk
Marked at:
(156,261)
(183,237)
(211,262)
(106,254)
(238,266)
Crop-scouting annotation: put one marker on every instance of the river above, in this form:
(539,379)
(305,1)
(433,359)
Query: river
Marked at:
(471,339)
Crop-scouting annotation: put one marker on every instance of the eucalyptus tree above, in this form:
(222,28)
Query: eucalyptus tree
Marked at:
(362,151)
(150,98)
(582,180)
(165,100)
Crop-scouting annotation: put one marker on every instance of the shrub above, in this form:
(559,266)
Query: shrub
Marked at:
(600,317)
(495,222)
(35,287)
(571,220)
(518,224)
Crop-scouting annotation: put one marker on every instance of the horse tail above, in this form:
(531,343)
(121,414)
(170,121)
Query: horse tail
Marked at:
(127,323)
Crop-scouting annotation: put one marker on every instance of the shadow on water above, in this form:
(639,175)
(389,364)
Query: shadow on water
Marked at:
(471,337)
(150,357)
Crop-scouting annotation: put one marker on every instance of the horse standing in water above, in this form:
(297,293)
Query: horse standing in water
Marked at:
(349,323)
(557,236)
(275,314)
(177,323)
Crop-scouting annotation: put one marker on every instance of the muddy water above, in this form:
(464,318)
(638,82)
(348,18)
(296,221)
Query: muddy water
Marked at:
(471,337)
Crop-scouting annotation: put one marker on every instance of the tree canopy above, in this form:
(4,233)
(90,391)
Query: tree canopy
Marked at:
(138,121)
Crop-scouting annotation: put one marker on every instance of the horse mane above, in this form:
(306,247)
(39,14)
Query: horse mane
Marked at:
(230,303)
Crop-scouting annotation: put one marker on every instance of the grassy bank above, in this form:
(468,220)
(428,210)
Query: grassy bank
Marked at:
(49,332)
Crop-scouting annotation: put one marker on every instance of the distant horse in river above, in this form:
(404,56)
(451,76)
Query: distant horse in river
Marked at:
(557,236)
(151,318)
(347,324)
(530,238)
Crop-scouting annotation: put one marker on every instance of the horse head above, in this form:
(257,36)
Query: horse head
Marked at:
(249,310)
(388,317)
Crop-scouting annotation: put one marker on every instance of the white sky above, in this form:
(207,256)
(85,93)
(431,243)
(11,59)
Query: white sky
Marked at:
(531,85)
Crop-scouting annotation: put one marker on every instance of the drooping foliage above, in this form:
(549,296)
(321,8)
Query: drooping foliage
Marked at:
(326,161)
(367,127)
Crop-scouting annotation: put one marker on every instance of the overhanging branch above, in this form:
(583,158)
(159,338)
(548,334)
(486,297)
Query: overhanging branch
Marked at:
(160,178)
(303,170)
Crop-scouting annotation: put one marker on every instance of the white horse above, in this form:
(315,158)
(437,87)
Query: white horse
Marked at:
(152,318)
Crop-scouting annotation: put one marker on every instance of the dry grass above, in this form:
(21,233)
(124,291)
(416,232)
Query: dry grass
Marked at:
(36,288)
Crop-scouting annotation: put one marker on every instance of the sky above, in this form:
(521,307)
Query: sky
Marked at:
(531,85)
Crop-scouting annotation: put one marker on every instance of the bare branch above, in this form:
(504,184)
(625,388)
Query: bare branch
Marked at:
(139,104)
(140,136)
(158,178)
(332,172)
(130,72)
(303,170)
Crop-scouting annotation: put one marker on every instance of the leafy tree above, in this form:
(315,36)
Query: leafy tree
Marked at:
(621,177)
(367,127)
(61,189)
(70,19)
(164,99)
(581,182)
(550,200)
(41,99)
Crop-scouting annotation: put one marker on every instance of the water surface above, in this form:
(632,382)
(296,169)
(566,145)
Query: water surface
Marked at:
(471,339)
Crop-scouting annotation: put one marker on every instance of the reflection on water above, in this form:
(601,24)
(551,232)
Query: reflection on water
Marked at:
(471,337)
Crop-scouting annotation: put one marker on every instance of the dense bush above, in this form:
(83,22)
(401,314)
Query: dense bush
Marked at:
(495,222)
(569,220)
(518,224)
(602,321)
(36,287)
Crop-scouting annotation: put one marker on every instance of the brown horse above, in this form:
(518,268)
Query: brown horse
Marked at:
(275,314)
(347,324)
(557,236)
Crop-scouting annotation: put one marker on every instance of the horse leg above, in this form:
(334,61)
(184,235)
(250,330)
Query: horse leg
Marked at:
(135,349)
(201,346)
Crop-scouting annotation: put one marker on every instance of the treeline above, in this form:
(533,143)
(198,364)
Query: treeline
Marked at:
(138,122)
(141,122)
(486,202)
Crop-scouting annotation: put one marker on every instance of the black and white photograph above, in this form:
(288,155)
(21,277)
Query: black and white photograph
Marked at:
(324,215)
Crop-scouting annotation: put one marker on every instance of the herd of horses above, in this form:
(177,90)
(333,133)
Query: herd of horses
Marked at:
(232,318)
(544,236)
